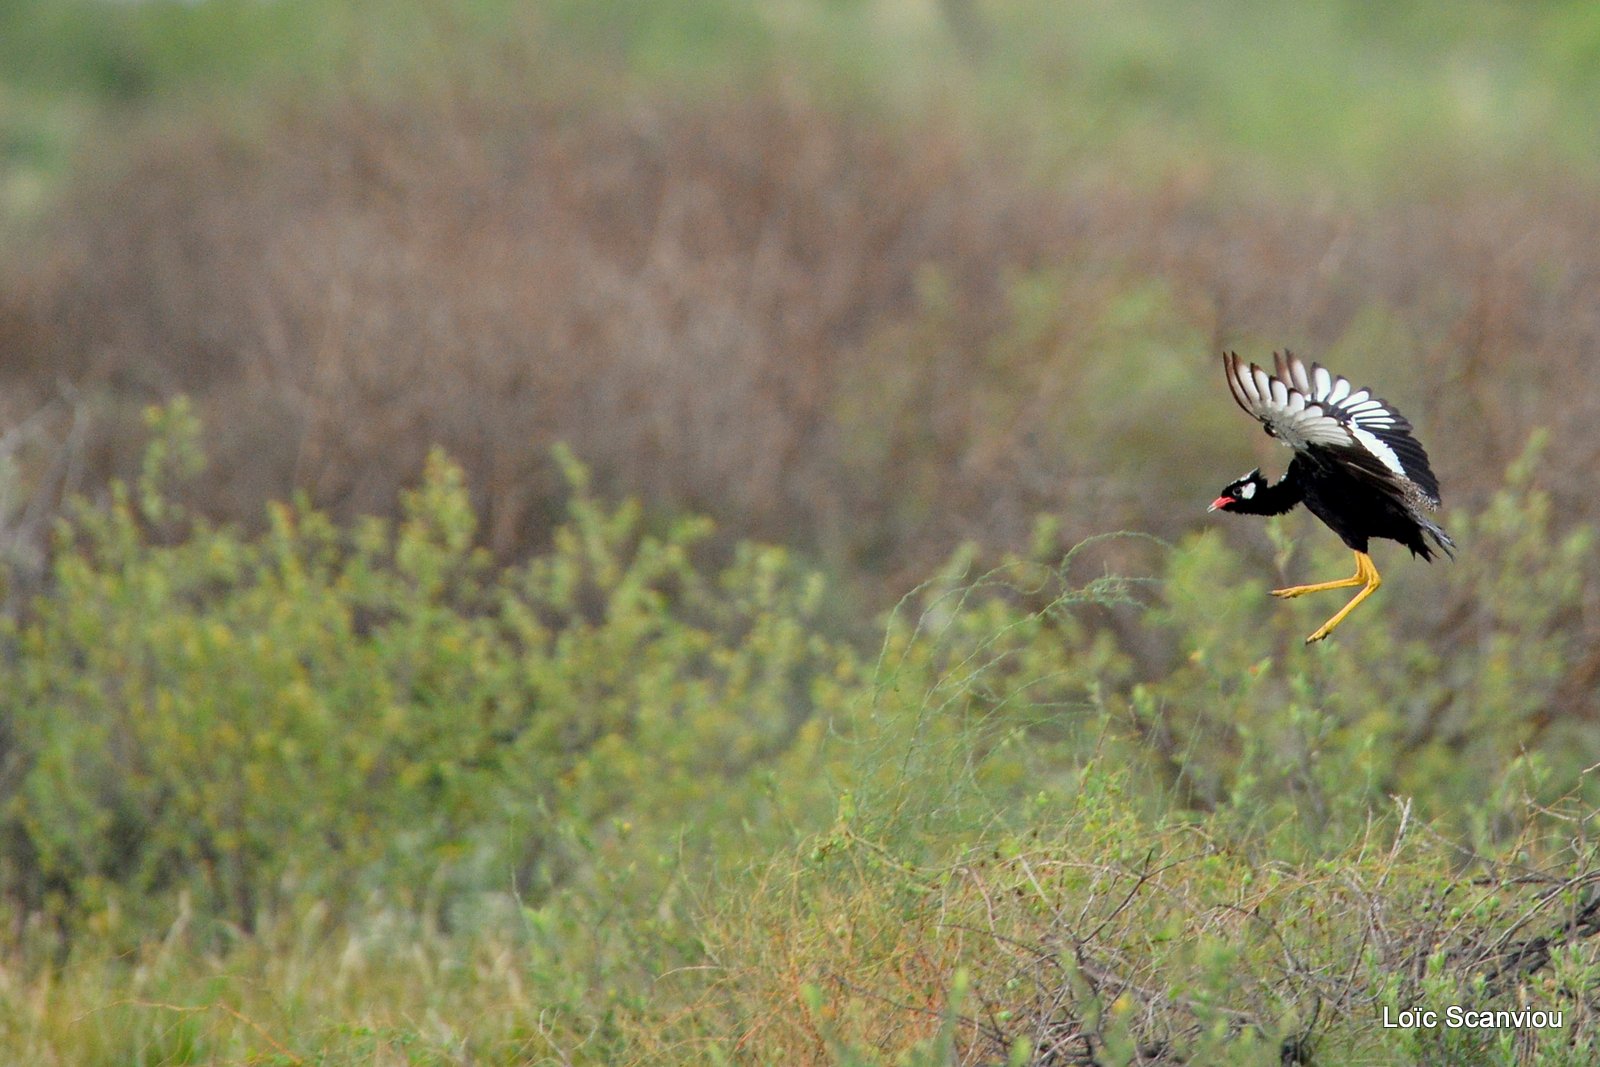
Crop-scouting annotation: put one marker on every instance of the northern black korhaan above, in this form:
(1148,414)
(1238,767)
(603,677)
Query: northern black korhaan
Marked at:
(1356,467)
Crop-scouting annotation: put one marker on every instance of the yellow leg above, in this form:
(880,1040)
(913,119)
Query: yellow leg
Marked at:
(1363,568)
(1366,576)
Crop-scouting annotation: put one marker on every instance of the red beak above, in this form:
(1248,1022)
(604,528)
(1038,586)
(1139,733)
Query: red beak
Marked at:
(1220,502)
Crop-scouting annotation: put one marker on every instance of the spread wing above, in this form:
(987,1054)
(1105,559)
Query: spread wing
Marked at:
(1310,409)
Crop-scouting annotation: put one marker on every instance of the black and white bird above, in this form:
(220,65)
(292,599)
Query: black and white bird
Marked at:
(1356,467)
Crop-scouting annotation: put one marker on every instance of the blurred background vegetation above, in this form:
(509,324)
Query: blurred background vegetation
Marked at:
(600,532)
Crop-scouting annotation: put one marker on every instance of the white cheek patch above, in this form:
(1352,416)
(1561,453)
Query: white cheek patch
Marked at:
(1247,490)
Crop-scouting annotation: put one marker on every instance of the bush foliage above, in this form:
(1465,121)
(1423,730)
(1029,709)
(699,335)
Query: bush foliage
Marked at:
(379,711)
(865,344)
(696,822)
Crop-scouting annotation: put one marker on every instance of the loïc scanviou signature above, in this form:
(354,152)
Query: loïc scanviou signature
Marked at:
(1456,1017)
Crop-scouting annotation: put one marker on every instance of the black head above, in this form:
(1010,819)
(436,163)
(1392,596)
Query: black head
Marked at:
(1241,491)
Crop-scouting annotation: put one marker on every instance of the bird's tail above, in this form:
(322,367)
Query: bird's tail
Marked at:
(1440,538)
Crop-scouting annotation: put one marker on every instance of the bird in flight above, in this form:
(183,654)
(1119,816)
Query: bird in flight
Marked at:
(1356,467)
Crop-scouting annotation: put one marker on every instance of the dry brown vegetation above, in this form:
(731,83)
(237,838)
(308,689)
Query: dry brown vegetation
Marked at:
(865,343)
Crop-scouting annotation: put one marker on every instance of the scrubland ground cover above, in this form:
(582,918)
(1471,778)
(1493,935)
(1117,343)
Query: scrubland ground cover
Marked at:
(589,533)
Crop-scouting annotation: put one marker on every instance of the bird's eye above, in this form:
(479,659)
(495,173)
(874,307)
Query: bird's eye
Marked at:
(1270,431)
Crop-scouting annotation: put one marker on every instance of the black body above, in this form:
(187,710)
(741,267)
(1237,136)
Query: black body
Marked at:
(1347,499)
(1356,465)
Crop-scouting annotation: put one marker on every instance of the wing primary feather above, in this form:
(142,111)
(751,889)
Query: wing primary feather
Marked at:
(1297,373)
(1263,384)
(1230,373)
(1236,383)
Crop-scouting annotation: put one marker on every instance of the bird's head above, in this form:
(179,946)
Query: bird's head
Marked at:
(1236,492)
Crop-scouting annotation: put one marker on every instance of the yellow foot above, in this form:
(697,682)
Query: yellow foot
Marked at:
(1322,631)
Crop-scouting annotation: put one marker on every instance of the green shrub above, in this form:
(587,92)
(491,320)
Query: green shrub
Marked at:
(378,714)
(622,804)
(1470,715)
(1243,859)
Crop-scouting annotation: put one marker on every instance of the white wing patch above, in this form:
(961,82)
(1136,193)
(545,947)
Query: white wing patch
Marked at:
(1374,444)
(1304,405)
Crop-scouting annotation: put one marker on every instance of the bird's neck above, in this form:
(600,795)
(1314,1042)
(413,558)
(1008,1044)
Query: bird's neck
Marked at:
(1274,499)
